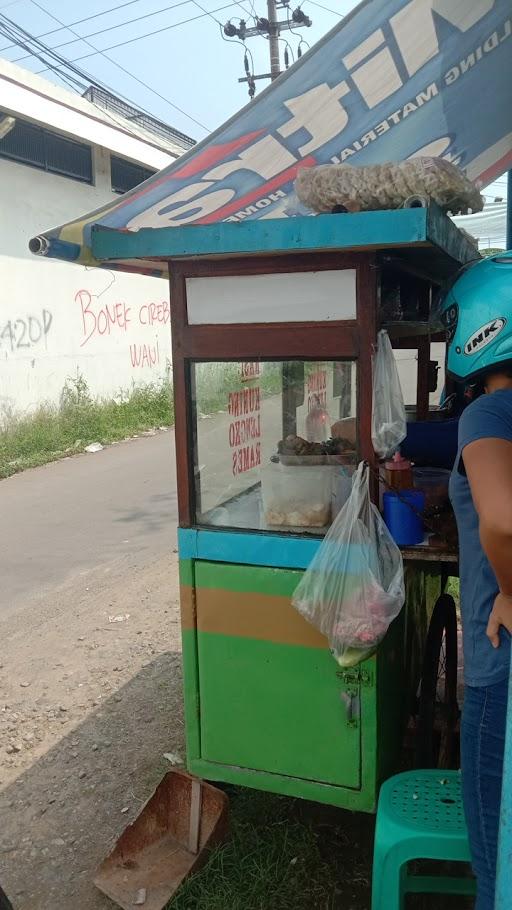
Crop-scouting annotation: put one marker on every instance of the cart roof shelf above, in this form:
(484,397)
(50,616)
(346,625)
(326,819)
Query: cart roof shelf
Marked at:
(423,238)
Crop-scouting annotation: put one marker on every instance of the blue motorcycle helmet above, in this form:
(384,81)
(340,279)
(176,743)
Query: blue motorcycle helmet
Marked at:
(475,311)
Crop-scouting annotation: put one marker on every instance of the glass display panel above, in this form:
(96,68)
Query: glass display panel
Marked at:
(275,443)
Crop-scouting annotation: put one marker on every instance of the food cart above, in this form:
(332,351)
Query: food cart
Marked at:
(274,324)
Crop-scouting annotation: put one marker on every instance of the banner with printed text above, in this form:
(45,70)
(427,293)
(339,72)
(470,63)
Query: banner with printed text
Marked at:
(395,79)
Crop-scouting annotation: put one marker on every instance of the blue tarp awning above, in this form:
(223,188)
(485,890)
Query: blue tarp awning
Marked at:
(395,79)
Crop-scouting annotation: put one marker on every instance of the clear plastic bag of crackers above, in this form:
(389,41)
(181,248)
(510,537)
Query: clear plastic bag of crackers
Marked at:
(354,587)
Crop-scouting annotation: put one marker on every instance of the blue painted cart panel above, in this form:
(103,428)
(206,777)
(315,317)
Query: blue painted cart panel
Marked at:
(359,231)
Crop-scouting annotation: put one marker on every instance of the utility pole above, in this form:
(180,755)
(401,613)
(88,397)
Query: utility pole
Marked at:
(270,27)
(273,40)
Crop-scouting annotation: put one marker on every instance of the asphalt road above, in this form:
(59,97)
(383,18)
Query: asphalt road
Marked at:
(71,516)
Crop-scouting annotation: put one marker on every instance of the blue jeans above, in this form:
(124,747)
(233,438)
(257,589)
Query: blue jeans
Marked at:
(482,749)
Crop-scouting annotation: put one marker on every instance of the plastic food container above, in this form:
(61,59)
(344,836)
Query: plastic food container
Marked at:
(433,482)
(342,488)
(297,497)
(304,460)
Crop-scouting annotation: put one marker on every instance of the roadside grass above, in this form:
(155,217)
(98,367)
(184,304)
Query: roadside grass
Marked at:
(57,431)
(284,854)
(214,382)
(453,588)
(54,432)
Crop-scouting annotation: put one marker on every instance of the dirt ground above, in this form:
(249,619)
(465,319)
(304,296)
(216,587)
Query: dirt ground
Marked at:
(88,707)
(84,729)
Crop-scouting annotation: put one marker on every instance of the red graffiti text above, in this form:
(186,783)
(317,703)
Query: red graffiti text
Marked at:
(145,355)
(155,313)
(100,320)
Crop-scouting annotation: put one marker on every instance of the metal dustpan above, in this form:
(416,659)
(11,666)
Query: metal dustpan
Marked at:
(171,838)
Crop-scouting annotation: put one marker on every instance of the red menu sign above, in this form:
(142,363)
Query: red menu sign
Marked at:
(245,429)
(317,389)
(250,370)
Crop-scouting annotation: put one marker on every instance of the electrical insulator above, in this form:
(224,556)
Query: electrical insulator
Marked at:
(286,58)
(242,29)
(300,17)
(230,30)
(299,51)
(262,24)
(246,65)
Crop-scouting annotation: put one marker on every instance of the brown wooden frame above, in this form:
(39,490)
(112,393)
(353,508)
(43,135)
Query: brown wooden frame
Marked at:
(336,340)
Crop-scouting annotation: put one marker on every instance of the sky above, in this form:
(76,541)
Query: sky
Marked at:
(190,73)
(189,64)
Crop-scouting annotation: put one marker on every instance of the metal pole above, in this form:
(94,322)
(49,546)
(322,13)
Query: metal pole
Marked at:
(273,40)
(509,211)
(504,870)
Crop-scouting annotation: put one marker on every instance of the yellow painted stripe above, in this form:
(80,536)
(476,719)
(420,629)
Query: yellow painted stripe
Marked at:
(257,616)
(187,607)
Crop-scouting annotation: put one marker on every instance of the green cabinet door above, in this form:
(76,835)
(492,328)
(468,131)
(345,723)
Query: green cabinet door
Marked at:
(269,695)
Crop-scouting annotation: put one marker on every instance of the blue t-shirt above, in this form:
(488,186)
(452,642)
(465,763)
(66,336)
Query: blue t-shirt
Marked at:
(489,417)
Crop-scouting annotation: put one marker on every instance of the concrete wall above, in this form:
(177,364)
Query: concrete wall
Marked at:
(58,318)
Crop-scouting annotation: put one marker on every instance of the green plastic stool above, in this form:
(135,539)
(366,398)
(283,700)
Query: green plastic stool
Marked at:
(420,816)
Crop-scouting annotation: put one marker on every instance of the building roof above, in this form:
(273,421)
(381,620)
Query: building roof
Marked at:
(114,105)
(99,118)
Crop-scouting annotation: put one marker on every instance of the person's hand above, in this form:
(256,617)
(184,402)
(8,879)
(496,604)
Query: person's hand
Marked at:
(501,615)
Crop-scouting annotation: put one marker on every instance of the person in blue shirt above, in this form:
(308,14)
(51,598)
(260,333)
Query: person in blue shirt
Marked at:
(477,315)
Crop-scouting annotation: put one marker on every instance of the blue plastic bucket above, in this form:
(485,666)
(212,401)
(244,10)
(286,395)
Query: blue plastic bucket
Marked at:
(405,524)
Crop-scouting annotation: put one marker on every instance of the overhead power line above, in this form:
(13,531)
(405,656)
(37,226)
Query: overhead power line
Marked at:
(128,73)
(10,30)
(326,8)
(251,13)
(69,80)
(157,31)
(53,31)
(101,31)
(66,70)
(210,13)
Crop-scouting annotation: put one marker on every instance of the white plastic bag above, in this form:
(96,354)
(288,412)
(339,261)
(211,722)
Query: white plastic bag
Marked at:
(354,587)
(389,424)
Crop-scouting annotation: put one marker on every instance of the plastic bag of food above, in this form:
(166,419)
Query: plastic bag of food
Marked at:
(354,588)
(387,186)
(389,422)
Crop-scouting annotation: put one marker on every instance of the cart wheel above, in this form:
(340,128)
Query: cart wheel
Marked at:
(438,709)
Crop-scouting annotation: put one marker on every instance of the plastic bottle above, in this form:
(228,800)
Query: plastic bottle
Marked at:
(318,423)
(398,473)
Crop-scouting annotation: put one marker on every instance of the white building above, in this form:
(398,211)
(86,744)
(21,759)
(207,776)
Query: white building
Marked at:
(62,155)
